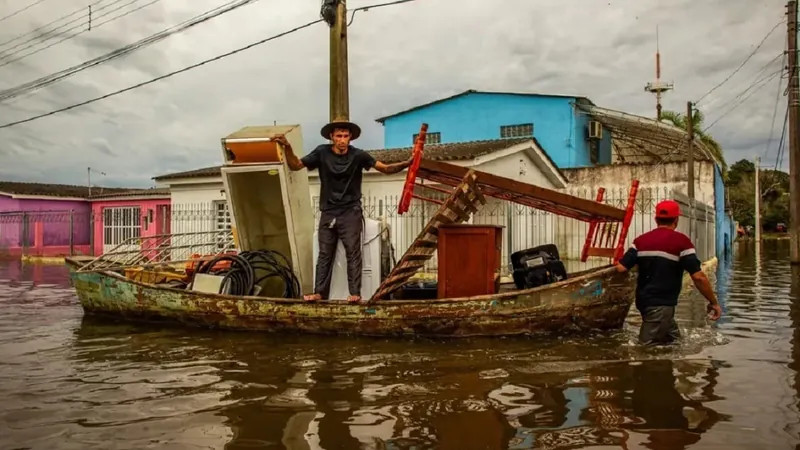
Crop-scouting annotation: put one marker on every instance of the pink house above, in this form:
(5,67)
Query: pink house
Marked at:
(118,217)
(45,220)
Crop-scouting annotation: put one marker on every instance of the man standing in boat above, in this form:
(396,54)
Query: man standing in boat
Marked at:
(340,168)
(662,256)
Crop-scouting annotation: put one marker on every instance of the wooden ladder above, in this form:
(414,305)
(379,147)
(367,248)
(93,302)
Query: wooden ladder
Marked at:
(458,208)
(611,240)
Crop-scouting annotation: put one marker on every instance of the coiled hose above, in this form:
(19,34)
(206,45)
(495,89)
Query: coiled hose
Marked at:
(240,276)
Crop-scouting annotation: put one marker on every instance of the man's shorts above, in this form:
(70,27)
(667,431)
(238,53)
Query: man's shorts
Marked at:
(658,326)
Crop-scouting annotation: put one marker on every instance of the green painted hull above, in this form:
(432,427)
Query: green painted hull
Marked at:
(594,300)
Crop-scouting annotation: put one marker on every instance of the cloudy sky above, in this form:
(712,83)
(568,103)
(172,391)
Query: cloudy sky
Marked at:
(400,56)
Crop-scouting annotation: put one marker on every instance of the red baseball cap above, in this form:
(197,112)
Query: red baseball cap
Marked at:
(668,209)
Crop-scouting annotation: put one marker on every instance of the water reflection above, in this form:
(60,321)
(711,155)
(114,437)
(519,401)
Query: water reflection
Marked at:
(67,381)
(267,394)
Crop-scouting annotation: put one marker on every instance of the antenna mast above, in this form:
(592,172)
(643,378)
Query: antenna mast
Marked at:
(657,87)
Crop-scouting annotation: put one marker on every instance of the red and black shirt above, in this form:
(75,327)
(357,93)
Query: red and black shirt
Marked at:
(662,255)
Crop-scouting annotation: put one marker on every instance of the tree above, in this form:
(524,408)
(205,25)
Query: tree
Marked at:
(737,170)
(679,120)
(774,195)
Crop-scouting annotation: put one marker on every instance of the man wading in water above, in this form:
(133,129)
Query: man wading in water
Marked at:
(662,255)
(340,168)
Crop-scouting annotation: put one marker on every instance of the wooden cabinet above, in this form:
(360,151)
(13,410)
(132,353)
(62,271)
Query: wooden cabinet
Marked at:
(469,258)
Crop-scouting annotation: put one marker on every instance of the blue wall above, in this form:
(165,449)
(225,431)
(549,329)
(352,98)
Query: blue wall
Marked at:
(478,116)
(723,222)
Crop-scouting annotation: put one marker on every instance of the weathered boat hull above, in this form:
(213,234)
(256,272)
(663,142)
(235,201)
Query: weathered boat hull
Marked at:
(596,300)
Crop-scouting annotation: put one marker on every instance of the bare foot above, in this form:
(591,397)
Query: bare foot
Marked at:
(354,299)
(312,298)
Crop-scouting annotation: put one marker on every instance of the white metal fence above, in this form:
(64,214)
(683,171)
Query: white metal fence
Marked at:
(528,227)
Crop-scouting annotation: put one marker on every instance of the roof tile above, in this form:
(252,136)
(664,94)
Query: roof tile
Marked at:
(55,190)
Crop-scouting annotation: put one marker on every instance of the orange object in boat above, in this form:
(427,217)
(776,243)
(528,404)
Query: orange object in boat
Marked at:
(196,260)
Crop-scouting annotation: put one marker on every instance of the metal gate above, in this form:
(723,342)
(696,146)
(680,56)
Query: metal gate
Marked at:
(119,224)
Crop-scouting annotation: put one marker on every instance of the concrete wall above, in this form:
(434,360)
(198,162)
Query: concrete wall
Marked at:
(665,176)
(478,116)
(44,226)
(193,205)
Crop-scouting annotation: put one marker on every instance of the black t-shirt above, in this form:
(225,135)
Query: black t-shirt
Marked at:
(340,175)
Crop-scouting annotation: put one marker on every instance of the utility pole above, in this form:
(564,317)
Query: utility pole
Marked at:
(758,199)
(794,145)
(690,156)
(339,91)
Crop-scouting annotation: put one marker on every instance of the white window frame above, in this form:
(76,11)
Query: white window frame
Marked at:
(121,223)
(434,137)
(222,221)
(516,130)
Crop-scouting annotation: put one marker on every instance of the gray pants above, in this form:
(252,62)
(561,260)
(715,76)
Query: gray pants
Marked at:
(346,225)
(658,326)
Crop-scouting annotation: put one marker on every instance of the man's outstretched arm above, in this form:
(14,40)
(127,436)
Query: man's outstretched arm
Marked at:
(389,169)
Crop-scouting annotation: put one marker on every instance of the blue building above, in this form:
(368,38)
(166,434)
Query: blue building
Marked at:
(575,134)
(566,134)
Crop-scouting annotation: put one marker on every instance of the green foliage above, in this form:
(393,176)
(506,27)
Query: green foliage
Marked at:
(741,195)
(679,120)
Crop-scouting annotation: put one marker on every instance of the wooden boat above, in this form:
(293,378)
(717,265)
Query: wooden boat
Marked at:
(596,299)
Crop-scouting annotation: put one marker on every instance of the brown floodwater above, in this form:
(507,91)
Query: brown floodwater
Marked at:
(67,382)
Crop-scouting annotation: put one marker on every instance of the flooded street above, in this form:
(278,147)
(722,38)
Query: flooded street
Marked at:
(67,382)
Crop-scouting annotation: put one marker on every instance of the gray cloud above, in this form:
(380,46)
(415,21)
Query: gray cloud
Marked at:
(399,56)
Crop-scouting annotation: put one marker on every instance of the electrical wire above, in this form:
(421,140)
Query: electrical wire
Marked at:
(161,77)
(21,10)
(758,85)
(755,50)
(179,71)
(53,78)
(34,31)
(73,36)
(774,111)
(42,35)
(246,271)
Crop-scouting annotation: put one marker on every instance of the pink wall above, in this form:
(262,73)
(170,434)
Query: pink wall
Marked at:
(148,227)
(46,227)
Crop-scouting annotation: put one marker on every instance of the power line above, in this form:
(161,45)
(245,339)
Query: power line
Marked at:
(743,62)
(775,111)
(162,77)
(73,36)
(80,10)
(782,142)
(760,84)
(21,10)
(45,35)
(53,78)
(187,68)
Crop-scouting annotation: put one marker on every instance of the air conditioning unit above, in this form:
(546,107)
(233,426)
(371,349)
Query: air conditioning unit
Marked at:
(595,130)
(371,258)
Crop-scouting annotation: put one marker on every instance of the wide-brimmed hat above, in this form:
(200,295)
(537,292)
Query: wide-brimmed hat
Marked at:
(355,130)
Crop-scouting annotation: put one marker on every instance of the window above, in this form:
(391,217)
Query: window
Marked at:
(430,138)
(222,222)
(120,224)
(521,130)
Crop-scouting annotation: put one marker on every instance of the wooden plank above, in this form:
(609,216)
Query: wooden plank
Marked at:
(453,211)
(555,200)
(603,252)
(470,178)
